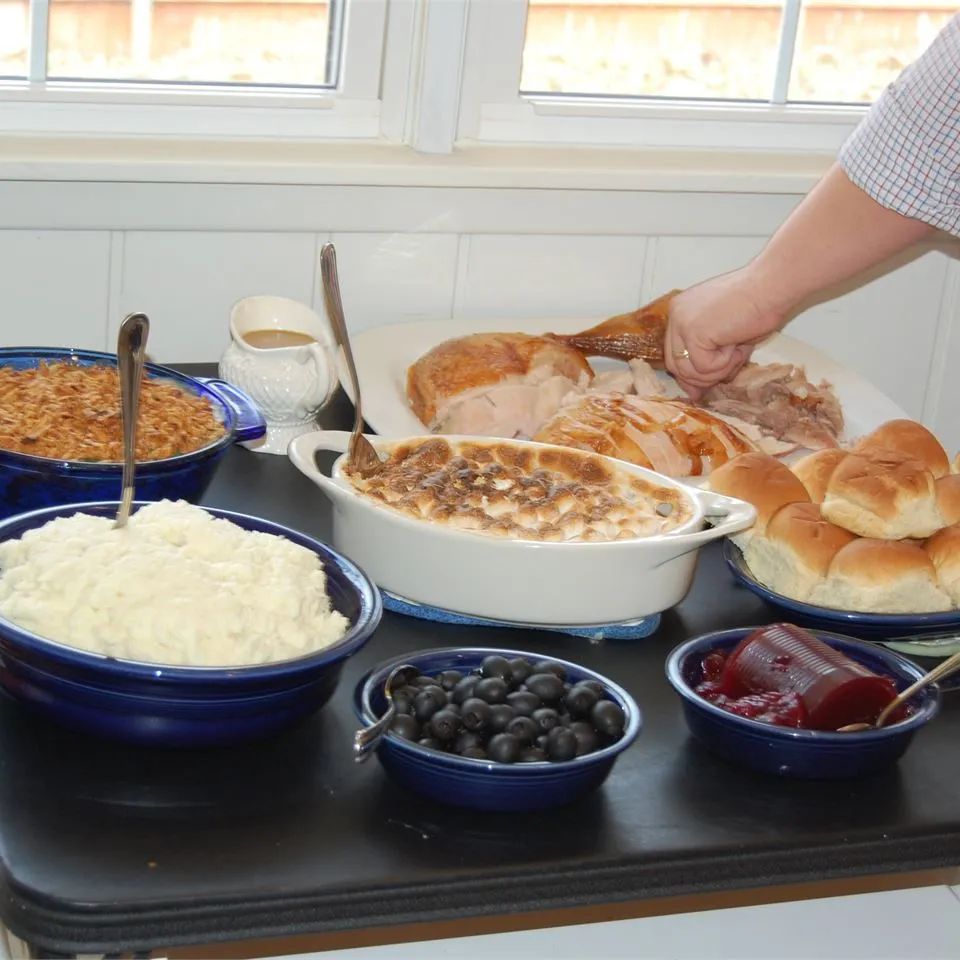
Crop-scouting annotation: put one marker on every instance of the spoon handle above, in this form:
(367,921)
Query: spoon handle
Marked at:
(941,670)
(131,353)
(331,296)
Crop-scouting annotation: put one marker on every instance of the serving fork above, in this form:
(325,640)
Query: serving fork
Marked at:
(361,453)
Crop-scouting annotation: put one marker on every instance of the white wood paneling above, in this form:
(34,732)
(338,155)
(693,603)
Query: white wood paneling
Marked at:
(187,282)
(55,287)
(396,277)
(549,276)
(885,329)
(298,208)
(943,395)
(677,262)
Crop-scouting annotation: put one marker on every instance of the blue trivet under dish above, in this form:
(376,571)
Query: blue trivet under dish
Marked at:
(629,630)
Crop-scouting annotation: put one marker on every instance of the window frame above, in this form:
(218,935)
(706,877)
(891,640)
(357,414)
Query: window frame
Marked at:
(493,110)
(375,57)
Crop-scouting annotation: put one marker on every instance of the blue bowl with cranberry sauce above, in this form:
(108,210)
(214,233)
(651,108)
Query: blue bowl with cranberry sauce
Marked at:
(180,706)
(29,482)
(788,751)
(485,784)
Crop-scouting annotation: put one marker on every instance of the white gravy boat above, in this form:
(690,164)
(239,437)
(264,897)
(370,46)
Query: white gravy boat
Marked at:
(290,385)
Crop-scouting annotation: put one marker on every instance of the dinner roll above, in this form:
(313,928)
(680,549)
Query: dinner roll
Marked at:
(881,494)
(796,551)
(881,576)
(815,470)
(761,480)
(948,498)
(943,548)
(912,440)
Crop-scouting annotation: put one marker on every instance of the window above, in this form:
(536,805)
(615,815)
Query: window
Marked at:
(771,75)
(823,51)
(743,74)
(261,68)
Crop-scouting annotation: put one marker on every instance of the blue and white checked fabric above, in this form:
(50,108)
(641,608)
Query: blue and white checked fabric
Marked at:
(905,154)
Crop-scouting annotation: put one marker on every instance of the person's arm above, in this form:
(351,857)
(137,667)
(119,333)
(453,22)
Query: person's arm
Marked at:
(897,179)
(835,233)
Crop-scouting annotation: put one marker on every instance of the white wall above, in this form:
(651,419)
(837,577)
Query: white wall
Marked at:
(76,256)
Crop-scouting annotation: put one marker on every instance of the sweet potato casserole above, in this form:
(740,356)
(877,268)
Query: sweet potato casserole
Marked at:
(506,490)
(66,411)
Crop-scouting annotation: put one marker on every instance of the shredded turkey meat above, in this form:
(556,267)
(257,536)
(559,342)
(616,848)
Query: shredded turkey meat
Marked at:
(778,398)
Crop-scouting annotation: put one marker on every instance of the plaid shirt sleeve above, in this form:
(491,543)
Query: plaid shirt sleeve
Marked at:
(905,154)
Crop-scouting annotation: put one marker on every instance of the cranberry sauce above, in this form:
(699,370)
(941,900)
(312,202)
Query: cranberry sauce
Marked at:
(783,675)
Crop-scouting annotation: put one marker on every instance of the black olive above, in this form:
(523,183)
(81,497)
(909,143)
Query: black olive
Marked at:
(532,755)
(541,741)
(464,689)
(565,719)
(491,689)
(431,743)
(407,690)
(435,690)
(475,713)
(500,715)
(547,686)
(581,700)
(550,666)
(524,702)
(444,725)
(503,748)
(561,744)
(448,679)
(608,718)
(474,753)
(496,666)
(467,738)
(405,726)
(524,729)
(587,739)
(426,705)
(546,718)
(422,680)
(520,669)
(596,686)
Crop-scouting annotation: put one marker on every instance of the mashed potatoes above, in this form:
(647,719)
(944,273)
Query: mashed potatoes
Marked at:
(175,586)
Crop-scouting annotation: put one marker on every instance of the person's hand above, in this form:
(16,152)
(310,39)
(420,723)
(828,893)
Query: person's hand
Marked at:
(712,329)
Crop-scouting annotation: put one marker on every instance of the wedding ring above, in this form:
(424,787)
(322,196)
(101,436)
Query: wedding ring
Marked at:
(683,354)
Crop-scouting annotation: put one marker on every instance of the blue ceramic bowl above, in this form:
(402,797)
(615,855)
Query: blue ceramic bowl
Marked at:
(162,705)
(870,626)
(28,483)
(483,784)
(788,752)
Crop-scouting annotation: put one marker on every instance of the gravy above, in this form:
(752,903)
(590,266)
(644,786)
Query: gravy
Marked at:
(274,339)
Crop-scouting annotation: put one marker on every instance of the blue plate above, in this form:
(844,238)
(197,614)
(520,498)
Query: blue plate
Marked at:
(869,626)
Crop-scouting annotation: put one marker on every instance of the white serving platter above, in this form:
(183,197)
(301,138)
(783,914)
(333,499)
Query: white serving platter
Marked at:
(384,353)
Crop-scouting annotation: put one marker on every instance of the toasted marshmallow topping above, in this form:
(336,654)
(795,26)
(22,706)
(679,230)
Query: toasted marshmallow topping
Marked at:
(507,490)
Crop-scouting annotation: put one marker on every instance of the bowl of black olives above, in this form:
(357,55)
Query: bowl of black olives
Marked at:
(498,729)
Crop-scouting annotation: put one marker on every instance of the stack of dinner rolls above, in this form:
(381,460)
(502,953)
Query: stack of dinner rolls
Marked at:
(874,528)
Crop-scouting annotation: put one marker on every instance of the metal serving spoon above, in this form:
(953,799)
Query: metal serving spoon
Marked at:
(941,670)
(363,457)
(367,738)
(131,353)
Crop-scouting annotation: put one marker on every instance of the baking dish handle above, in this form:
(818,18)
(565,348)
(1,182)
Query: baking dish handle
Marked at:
(250,423)
(303,452)
(725,516)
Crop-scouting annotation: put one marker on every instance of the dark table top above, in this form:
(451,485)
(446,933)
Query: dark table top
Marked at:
(105,847)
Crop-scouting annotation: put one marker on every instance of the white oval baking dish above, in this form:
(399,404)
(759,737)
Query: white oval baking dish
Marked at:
(521,581)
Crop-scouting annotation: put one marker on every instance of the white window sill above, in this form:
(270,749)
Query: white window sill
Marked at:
(79,158)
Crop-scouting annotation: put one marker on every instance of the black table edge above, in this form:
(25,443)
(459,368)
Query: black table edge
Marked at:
(61,928)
